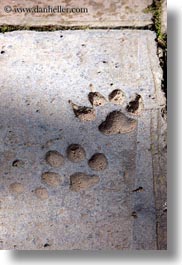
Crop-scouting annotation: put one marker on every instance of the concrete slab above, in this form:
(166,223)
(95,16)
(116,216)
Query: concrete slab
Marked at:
(164,17)
(100,13)
(44,78)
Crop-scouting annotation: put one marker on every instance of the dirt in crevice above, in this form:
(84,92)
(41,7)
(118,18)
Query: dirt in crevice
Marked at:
(9,28)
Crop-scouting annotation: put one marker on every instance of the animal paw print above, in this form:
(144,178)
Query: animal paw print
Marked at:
(79,180)
(116,121)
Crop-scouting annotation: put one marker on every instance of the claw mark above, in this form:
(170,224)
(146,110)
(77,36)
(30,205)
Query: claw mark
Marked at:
(91,88)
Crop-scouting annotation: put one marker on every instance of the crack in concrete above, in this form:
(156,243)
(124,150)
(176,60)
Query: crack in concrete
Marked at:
(10,28)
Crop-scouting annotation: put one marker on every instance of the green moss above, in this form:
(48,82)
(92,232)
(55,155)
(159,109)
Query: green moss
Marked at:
(156,10)
(4,29)
(9,28)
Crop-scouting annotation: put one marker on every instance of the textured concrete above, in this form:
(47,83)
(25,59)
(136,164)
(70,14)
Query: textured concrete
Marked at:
(107,13)
(40,73)
(164,17)
(159,139)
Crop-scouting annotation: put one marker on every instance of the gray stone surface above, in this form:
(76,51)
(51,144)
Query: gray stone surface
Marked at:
(107,13)
(40,73)
(164,17)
